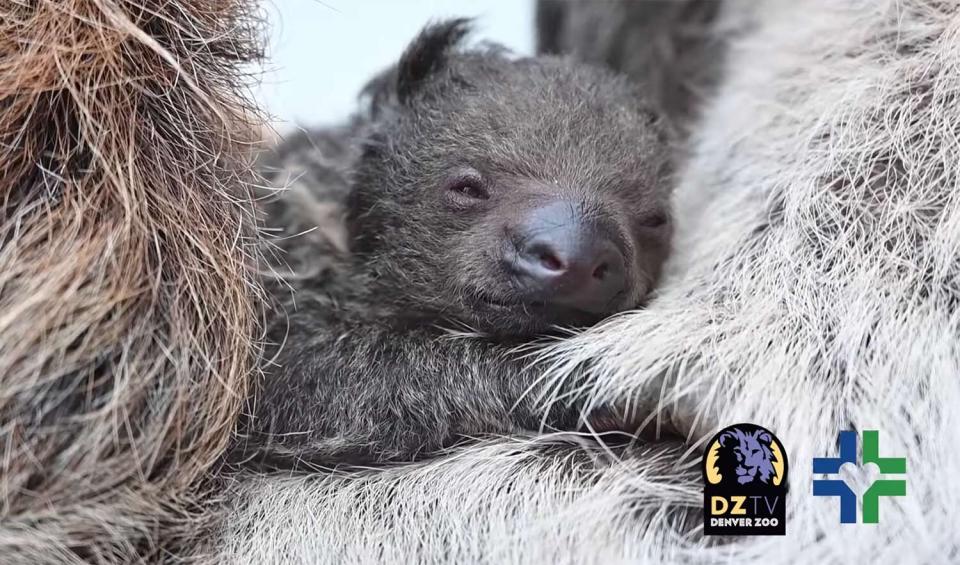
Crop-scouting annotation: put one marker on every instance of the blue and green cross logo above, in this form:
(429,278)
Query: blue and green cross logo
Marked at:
(880,487)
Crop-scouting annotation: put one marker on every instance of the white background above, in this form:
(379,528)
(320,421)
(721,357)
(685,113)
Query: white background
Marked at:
(322,52)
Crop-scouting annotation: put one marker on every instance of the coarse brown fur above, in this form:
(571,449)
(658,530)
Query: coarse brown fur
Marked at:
(127,309)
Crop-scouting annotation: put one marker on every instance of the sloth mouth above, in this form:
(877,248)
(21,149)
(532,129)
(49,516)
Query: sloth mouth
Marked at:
(503,302)
(534,313)
(543,306)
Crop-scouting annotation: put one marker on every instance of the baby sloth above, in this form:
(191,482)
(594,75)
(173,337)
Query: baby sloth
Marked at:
(505,196)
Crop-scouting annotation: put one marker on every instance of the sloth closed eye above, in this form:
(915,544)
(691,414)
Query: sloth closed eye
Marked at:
(467,186)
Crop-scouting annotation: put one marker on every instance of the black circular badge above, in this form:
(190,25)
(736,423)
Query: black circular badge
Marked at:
(745,482)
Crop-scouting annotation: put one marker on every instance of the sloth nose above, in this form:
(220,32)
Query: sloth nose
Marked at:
(561,259)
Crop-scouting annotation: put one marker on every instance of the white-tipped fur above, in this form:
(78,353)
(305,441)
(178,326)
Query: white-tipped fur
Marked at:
(814,288)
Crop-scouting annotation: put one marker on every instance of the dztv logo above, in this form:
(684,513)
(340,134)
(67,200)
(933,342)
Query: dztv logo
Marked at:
(745,483)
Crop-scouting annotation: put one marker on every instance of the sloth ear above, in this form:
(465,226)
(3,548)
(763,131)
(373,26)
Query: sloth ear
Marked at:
(428,54)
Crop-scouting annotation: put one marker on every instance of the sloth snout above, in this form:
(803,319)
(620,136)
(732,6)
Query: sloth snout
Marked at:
(560,258)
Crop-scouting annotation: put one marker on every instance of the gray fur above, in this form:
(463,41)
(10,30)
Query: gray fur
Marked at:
(403,345)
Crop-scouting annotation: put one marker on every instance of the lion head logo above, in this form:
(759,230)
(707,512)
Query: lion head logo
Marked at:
(750,457)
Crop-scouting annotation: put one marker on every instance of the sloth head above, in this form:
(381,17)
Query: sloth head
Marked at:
(512,195)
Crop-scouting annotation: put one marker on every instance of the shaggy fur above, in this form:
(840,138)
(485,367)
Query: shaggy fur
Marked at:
(367,368)
(815,288)
(127,313)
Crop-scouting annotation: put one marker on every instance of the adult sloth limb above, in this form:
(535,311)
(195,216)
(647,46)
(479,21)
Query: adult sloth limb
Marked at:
(537,500)
(828,298)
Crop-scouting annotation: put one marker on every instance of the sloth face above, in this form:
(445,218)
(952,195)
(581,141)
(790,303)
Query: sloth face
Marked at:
(512,195)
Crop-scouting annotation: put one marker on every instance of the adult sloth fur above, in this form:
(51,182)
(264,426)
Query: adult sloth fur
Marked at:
(814,288)
(126,312)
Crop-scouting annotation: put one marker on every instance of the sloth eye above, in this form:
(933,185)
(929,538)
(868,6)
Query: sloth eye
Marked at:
(471,190)
(467,186)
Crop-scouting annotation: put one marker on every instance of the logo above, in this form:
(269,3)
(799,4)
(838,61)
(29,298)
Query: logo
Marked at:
(745,483)
(881,487)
